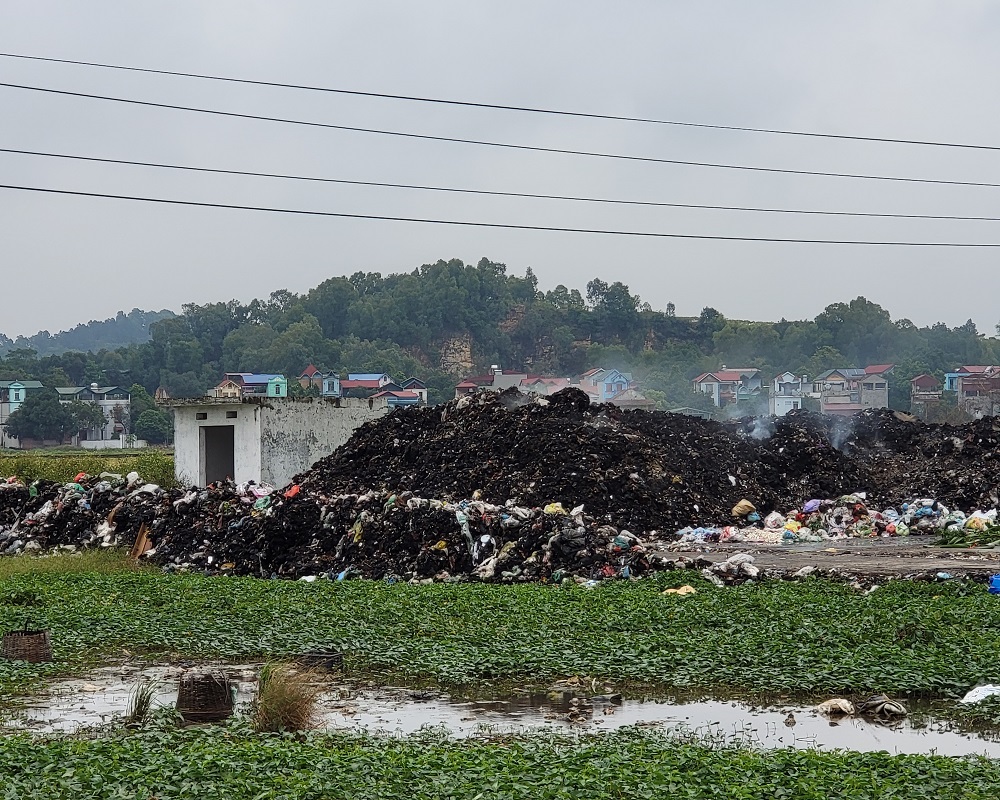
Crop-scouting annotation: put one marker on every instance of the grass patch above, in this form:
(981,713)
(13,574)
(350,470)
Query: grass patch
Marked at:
(235,764)
(100,562)
(286,700)
(154,465)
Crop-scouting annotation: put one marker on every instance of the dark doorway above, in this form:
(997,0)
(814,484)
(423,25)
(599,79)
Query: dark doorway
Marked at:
(218,452)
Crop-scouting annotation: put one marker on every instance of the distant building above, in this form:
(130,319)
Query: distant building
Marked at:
(979,393)
(691,412)
(951,379)
(925,392)
(729,385)
(787,391)
(250,384)
(846,391)
(12,396)
(417,386)
(328,383)
(112,400)
(398,397)
(600,385)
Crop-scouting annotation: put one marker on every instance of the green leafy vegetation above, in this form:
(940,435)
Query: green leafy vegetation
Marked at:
(155,466)
(233,764)
(803,638)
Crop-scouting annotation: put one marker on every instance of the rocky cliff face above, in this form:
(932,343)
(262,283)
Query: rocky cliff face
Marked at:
(456,355)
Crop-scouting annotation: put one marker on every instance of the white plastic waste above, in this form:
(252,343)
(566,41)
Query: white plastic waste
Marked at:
(980,693)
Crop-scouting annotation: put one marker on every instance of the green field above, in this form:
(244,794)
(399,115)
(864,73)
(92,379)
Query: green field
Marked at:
(61,464)
(812,637)
(231,764)
(808,638)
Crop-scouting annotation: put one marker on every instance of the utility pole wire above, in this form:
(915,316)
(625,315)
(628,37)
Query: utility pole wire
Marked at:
(489,192)
(500,107)
(508,226)
(507,145)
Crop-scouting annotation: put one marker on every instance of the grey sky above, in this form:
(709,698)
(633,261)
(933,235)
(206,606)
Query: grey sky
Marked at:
(910,69)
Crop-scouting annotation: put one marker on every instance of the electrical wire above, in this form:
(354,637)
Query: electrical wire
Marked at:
(491,193)
(508,226)
(500,107)
(507,145)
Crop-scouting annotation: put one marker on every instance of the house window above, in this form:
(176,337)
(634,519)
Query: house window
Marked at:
(869,385)
(879,385)
(230,415)
(201,415)
(17,395)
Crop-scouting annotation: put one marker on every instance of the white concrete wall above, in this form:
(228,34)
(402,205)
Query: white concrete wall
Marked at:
(187,440)
(295,434)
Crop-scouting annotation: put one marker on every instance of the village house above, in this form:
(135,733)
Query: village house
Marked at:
(729,385)
(12,396)
(787,391)
(112,400)
(846,391)
(979,393)
(925,391)
(252,384)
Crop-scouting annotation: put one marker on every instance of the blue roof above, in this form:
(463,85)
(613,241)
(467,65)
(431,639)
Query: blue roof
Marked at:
(260,377)
(365,376)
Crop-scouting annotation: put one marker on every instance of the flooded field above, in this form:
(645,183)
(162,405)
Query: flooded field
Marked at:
(102,697)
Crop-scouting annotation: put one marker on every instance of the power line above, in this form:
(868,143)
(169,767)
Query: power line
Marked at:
(508,226)
(500,107)
(491,193)
(507,145)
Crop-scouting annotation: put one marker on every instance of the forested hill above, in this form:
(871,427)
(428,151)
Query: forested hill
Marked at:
(107,334)
(445,320)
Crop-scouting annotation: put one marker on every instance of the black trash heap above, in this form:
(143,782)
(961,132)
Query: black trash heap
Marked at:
(510,487)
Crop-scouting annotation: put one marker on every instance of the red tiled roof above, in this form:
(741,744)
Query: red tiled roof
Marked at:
(359,384)
(974,370)
(309,371)
(878,369)
(732,375)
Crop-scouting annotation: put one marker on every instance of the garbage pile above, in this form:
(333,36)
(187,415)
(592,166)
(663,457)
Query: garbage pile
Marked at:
(520,488)
(849,517)
(90,511)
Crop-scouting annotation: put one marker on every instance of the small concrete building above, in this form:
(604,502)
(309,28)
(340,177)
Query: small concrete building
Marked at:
(263,439)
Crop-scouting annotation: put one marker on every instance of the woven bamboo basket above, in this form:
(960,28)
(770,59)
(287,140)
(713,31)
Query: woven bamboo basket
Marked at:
(27,645)
(204,697)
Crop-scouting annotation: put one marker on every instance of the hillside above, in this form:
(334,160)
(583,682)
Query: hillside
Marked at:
(446,320)
(94,336)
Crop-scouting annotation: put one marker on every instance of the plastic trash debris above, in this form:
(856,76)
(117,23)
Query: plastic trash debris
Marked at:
(681,590)
(980,693)
(881,706)
(836,706)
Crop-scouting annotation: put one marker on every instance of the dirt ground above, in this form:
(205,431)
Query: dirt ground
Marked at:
(899,557)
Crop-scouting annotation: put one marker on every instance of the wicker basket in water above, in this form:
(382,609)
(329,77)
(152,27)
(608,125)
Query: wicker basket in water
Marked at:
(27,645)
(204,697)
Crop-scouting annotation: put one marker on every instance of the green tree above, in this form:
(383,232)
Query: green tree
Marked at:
(139,402)
(155,426)
(41,416)
(86,416)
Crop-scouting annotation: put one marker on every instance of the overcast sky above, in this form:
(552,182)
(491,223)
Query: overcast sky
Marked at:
(907,69)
